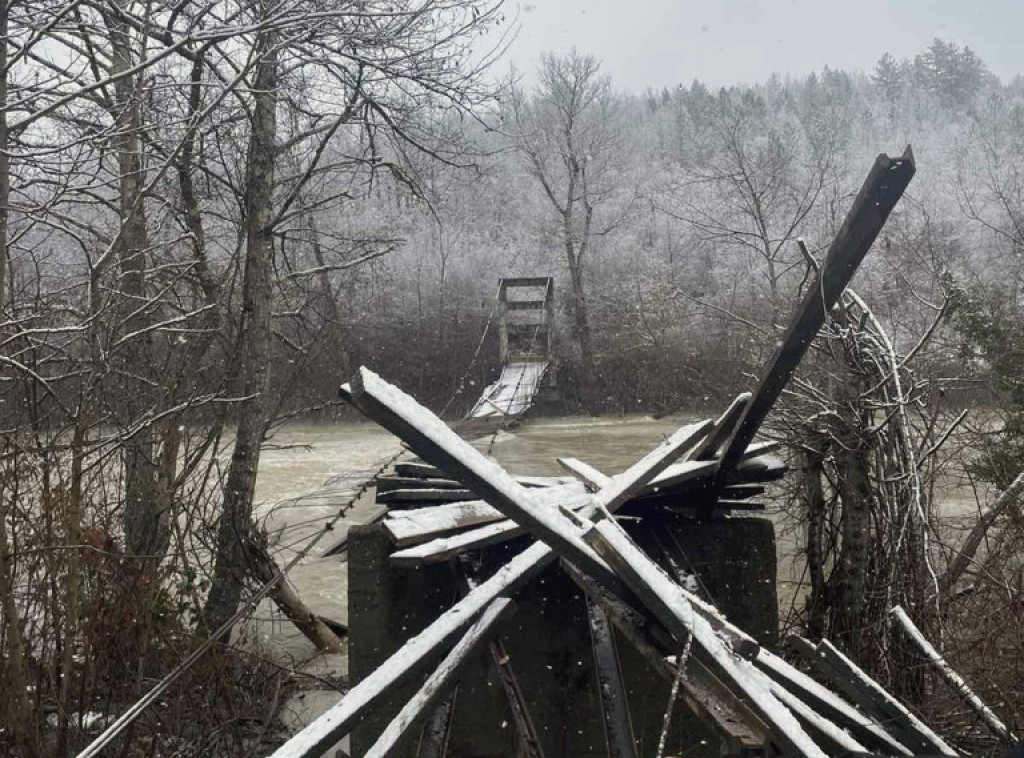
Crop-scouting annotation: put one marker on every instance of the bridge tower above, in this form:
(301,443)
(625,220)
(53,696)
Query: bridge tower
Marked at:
(526,315)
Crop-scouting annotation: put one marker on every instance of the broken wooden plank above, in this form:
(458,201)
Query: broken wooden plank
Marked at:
(755,459)
(739,728)
(423,524)
(994,724)
(424,496)
(618,731)
(880,192)
(671,606)
(872,698)
(441,679)
(832,738)
(387,482)
(829,705)
(414,656)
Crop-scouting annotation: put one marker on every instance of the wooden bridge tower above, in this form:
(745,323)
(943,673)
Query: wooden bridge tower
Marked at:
(526,315)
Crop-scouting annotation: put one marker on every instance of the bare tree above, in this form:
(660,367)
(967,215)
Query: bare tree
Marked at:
(568,133)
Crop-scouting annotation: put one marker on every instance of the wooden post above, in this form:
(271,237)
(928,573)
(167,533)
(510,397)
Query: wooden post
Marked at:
(502,322)
(882,189)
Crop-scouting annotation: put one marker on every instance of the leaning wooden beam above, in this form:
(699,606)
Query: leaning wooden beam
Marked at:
(829,705)
(670,605)
(997,727)
(529,745)
(618,731)
(873,699)
(740,730)
(441,680)
(882,189)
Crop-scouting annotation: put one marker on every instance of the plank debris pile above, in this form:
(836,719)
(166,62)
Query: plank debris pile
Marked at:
(757,702)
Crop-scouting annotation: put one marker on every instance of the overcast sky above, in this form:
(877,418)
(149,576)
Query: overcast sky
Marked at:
(659,43)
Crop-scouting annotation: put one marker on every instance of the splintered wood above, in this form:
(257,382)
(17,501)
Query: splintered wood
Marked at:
(458,501)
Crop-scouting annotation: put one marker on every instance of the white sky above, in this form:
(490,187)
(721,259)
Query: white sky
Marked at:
(659,43)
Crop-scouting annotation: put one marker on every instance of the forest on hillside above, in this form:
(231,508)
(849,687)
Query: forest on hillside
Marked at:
(212,213)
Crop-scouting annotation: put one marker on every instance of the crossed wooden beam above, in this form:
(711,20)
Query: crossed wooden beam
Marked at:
(758,703)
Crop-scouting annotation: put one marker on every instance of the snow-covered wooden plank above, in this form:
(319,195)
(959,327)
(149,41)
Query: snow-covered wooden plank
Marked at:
(442,548)
(723,429)
(634,480)
(829,705)
(671,606)
(420,470)
(739,728)
(872,697)
(424,495)
(441,679)
(389,482)
(677,473)
(833,739)
(414,656)
(882,189)
(618,731)
(995,725)
(423,524)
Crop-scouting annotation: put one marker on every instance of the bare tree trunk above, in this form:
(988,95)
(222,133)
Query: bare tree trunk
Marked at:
(813,498)
(851,456)
(146,528)
(15,705)
(264,568)
(252,367)
(5,161)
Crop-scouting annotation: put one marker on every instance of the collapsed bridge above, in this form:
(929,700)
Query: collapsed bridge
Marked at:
(508,541)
